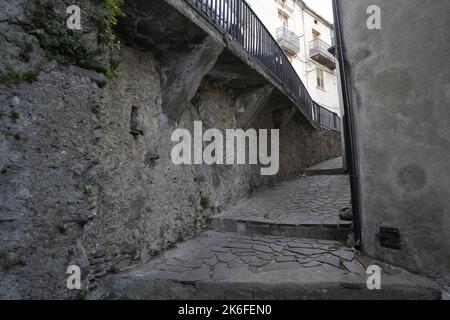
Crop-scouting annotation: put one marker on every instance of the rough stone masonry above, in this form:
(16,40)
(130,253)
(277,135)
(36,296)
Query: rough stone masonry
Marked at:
(85,125)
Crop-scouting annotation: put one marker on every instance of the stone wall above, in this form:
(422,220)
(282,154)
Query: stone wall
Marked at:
(302,146)
(48,143)
(399,80)
(86,176)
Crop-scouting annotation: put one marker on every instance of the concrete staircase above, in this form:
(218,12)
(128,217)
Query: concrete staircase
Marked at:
(283,243)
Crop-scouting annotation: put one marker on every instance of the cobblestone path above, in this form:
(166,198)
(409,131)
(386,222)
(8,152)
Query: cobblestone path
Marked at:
(251,263)
(306,207)
(308,200)
(226,266)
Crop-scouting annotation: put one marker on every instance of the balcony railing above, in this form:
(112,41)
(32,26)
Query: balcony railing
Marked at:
(328,119)
(236,18)
(318,51)
(288,40)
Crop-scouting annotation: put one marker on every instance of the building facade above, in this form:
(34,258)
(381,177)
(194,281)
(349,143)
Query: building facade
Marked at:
(305,37)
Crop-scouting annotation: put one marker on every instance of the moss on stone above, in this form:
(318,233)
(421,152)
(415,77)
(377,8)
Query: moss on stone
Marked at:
(13,75)
(8,263)
(82,295)
(68,46)
(15,115)
(97,110)
(134,254)
(204,202)
(30,76)
(88,189)
(180,237)
(61,43)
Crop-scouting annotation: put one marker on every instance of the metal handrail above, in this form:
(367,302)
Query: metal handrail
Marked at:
(318,45)
(236,18)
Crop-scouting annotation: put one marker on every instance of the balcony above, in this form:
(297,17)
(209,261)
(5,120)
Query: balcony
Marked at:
(318,51)
(288,41)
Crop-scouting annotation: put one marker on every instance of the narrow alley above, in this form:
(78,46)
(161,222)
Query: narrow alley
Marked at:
(286,242)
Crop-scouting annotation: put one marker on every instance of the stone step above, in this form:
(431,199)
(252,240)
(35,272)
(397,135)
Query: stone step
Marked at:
(307,207)
(324,172)
(336,163)
(332,230)
(227,266)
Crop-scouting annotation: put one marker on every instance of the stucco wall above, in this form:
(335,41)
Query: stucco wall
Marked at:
(400,92)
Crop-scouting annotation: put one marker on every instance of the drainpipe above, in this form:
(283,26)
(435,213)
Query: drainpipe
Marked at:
(349,129)
(305,46)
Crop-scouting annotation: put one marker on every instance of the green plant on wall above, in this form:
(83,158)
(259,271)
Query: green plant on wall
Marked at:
(204,202)
(68,46)
(30,76)
(61,43)
(134,254)
(106,35)
(16,76)
(88,189)
(82,295)
(15,115)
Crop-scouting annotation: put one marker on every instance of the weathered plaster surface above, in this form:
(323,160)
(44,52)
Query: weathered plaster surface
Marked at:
(400,91)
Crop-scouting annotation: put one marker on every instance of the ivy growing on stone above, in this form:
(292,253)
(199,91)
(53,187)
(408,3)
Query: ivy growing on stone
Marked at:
(64,44)
(68,46)
(113,11)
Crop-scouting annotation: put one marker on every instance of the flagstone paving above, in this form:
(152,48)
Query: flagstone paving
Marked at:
(292,208)
(307,200)
(281,246)
(217,265)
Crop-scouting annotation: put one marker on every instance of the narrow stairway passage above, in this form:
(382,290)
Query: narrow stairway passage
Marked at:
(248,261)
(305,207)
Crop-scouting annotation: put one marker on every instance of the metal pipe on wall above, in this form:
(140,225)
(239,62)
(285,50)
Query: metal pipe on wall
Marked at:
(349,129)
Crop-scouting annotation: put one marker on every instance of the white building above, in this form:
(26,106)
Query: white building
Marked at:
(305,37)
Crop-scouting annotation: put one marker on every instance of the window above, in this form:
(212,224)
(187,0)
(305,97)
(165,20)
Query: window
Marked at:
(320,79)
(284,19)
(315,34)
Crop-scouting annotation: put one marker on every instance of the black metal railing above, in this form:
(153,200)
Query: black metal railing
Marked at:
(329,119)
(236,18)
(320,46)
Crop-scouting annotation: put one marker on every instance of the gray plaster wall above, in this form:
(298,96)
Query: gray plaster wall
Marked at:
(399,80)
(77,186)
